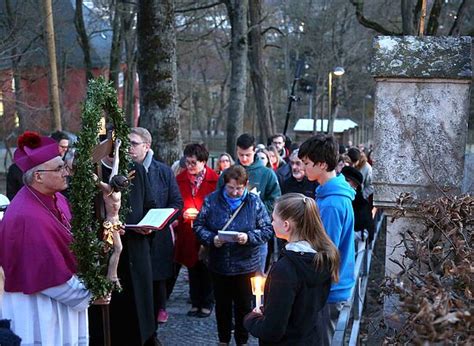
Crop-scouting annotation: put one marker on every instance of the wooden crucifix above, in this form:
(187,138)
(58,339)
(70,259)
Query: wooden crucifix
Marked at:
(107,211)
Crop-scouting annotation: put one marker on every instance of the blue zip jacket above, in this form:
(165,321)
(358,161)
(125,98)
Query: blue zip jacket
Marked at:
(334,200)
(253,219)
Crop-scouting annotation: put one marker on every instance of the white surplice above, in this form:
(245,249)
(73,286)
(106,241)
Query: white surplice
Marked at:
(55,316)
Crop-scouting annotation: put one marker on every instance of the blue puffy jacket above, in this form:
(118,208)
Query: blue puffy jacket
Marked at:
(253,219)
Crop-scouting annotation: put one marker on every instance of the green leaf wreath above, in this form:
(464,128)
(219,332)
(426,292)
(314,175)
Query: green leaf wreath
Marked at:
(88,247)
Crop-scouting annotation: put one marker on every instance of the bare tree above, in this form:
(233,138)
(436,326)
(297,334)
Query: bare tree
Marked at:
(157,71)
(237,13)
(83,38)
(258,71)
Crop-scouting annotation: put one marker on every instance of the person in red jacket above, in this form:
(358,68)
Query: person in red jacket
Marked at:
(195,183)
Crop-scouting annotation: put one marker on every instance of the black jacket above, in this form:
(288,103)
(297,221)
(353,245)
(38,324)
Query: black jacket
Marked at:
(14,180)
(294,297)
(306,187)
(362,214)
(283,173)
(165,192)
(135,272)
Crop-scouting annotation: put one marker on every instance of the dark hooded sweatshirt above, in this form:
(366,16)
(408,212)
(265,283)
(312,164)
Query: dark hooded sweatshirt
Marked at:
(294,297)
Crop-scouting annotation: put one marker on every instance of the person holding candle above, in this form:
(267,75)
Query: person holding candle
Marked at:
(235,259)
(298,284)
(195,183)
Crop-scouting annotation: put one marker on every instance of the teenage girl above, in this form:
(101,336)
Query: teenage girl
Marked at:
(298,284)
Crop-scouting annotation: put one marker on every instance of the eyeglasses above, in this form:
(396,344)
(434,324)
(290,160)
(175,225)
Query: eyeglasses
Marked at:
(57,170)
(231,188)
(135,144)
(191,163)
(224,160)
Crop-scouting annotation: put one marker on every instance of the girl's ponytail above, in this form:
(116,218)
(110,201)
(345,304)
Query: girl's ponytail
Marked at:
(306,225)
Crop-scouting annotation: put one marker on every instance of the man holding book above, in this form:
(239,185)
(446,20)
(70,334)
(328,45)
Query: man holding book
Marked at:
(164,190)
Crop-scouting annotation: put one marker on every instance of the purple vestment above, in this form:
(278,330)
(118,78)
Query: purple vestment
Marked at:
(34,242)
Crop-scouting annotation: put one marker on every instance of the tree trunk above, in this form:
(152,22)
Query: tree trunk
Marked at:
(433,21)
(53,69)
(407,17)
(258,71)
(237,12)
(129,90)
(222,106)
(456,28)
(116,49)
(417,16)
(157,71)
(83,39)
(129,37)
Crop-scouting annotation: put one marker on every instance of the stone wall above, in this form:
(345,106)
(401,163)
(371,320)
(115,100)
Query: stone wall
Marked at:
(421,115)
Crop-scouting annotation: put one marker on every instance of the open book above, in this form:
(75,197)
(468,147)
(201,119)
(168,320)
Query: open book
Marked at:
(155,219)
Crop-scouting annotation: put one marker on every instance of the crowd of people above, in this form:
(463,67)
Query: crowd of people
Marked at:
(291,213)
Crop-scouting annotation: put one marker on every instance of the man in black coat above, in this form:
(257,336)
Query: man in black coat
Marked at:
(165,192)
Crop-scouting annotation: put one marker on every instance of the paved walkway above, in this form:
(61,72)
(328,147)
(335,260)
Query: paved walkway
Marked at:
(183,330)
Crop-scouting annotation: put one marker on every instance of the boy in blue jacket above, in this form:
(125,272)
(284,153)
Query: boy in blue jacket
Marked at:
(334,198)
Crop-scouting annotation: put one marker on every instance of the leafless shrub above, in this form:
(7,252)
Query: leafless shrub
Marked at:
(436,287)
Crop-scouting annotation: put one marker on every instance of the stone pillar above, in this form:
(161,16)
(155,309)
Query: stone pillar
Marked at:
(420,123)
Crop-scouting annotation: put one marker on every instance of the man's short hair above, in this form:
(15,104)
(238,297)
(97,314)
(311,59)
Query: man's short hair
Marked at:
(278,135)
(321,148)
(143,133)
(59,136)
(29,175)
(246,141)
(354,154)
(236,172)
(198,150)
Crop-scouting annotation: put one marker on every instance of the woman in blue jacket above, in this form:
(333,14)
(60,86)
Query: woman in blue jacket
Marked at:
(298,284)
(233,262)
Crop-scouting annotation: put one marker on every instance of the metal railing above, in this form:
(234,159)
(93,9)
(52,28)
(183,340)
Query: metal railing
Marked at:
(355,305)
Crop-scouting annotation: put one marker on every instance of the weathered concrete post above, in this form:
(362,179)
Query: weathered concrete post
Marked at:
(420,124)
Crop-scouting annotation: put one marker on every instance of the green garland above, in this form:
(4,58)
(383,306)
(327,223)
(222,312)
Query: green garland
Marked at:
(87,246)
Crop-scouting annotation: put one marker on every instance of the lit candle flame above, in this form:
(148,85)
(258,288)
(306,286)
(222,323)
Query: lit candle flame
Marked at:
(258,285)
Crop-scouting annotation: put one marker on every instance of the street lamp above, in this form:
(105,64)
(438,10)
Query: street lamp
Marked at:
(337,71)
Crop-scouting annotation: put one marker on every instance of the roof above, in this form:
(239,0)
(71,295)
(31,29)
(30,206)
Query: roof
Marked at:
(340,125)
(28,36)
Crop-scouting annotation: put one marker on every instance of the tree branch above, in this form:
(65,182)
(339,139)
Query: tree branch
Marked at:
(359,11)
(204,7)
(269,45)
(272,28)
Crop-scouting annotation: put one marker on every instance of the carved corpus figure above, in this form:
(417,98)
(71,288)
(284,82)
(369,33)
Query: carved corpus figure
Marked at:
(112,227)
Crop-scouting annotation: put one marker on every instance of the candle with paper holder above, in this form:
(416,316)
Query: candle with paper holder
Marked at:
(258,286)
